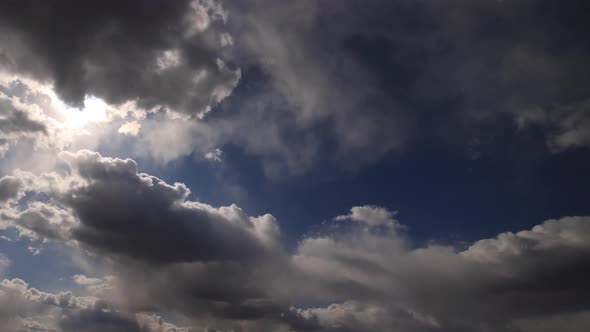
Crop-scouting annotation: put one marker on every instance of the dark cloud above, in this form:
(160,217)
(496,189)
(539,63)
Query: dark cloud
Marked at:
(90,320)
(195,259)
(157,52)
(10,188)
(329,80)
(341,82)
(124,212)
(370,272)
(224,291)
(361,81)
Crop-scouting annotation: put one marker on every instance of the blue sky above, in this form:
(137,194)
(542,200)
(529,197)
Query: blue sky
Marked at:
(215,165)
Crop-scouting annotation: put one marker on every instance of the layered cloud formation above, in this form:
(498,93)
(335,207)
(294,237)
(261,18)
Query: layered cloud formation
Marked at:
(167,252)
(338,83)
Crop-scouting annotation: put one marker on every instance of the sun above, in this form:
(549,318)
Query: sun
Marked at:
(93,111)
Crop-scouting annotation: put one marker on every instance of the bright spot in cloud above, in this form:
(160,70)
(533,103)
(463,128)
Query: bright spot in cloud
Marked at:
(94,110)
(169,59)
(130,128)
(214,155)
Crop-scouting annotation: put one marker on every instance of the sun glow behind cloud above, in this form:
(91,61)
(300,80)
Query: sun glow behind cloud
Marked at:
(94,110)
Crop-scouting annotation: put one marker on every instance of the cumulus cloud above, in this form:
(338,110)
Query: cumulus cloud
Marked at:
(371,215)
(348,94)
(10,188)
(28,309)
(196,259)
(18,122)
(40,221)
(154,134)
(162,53)
(226,270)
(379,280)
(106,204)
(327,81)
(37,125)
(25,308)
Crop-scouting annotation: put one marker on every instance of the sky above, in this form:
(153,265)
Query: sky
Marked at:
(313,165)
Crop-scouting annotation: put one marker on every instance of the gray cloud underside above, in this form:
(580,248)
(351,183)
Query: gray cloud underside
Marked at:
(361,81)
(158,53)
(219,266)
(10,187)
(346,83)
(25,308)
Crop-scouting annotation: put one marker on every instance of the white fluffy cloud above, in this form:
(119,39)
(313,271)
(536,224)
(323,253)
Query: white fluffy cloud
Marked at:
(371,215)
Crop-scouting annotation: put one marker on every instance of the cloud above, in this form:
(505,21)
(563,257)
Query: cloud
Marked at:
(24,306)
(214,155)
(358,83)
(17,122)
(196,259)
(345,95)
(10,188)
(323,82)
(163,54)
(130,128)
(155,134)
(566,126)
(98,320)
(85,281)
(378,280)
(41,221)
(123,212)
(371,215)
(221,269)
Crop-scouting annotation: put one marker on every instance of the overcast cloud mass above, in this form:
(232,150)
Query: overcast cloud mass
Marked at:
(222,165)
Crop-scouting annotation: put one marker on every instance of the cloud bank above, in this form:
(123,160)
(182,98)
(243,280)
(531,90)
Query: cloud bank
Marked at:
(220,268)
